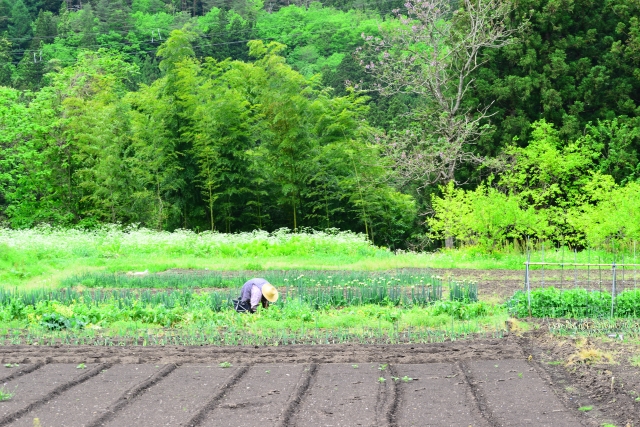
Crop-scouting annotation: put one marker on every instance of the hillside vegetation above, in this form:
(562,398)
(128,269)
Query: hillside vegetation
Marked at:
(240,115)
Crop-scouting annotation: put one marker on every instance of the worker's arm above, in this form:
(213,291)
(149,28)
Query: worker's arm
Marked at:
(256,296)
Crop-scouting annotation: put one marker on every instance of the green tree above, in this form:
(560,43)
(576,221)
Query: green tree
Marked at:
(20,24)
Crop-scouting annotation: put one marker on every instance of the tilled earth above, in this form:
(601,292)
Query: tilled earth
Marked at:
(464,383)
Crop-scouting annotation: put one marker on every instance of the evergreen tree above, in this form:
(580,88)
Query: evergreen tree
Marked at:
(20,25)
(6,67)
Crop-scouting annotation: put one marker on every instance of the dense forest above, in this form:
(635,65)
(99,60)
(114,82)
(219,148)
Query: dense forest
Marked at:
(235,115)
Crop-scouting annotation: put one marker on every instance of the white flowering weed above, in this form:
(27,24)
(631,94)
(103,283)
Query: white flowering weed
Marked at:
(113,241)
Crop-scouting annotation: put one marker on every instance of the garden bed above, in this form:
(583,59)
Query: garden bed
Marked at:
(480,383)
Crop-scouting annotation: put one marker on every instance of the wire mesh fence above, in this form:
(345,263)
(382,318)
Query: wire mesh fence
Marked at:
(593,286)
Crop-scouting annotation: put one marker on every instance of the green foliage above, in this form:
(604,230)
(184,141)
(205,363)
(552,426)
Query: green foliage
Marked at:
(460,310)
(237,142)
(485,217)
(198,131)
(573,65)
(317,38)
(5,394)
(71,310)
(574,303)
(379,283)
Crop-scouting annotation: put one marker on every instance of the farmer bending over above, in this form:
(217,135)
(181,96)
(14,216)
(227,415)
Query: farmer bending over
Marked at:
(254,292)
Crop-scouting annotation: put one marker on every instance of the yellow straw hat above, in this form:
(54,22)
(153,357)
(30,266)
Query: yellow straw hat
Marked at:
(270,292)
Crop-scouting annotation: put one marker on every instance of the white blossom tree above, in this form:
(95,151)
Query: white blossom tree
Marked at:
(433,52)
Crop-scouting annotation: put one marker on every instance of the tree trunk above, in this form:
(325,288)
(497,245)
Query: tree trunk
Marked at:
(448,242)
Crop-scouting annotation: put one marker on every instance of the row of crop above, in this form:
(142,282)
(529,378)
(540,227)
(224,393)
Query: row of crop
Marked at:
(574,303)
(234,337)
(214,279)
(67,308)
(317,296)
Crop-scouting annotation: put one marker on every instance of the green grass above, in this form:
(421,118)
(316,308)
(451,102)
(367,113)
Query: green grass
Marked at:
(45,256)
(635,361)
(585,408)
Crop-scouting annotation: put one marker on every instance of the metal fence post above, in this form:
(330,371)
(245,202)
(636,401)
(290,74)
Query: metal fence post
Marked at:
(613,286)
(528,285)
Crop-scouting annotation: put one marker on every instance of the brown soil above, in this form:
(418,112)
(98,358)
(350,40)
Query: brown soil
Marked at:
(435,395)
(344,396)
(174,400)
(481,383)
(88,399)
(517,381)
(611,389)
(258,399)
(333,353)
(515,394)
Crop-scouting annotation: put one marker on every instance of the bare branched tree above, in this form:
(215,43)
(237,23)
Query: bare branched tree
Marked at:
(433,52)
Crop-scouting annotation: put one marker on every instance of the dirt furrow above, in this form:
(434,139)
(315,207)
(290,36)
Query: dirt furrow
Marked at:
(200,416)
(296,398)
(392,399)
(128,396)
(5,420)
(248,355)
(22,371)
(476,397)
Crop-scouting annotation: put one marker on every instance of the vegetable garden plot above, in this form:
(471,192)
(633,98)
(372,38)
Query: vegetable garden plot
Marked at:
(259,399)
(82,403)
(328,394)
(434,394)
(175,399)
(512,393)
(38,386)
(343,395)
(14,370)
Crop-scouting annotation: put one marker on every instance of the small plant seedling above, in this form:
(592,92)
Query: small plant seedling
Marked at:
(81,366)
(519,374)
(354,366)
(609,425)
(585,408)
(381,380)
(267,372)
(36,422)
(11,365)
(406,379)
(637,399)
(395,378)
(383,367)
(496,365)
(5,394)
(555,363)
(225,365)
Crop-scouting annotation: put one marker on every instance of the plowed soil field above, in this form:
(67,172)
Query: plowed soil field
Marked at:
(477,383)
